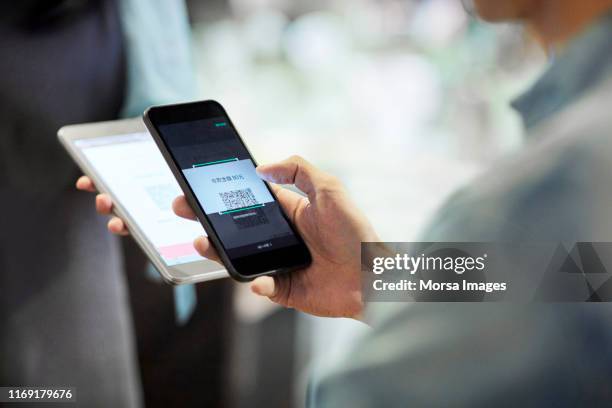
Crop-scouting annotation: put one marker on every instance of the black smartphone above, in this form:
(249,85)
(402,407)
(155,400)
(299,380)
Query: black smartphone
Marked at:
(216,171)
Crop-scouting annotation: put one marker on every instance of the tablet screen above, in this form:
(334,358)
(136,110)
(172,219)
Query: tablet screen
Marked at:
(134,170)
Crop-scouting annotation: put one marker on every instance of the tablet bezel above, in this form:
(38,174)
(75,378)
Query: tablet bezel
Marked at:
(192,272)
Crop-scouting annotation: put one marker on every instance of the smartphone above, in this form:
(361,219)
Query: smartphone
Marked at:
(216,172)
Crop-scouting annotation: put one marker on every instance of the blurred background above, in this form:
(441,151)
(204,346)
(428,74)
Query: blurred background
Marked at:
(404,100)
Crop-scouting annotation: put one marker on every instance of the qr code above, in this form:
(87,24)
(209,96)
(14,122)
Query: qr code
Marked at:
(238,199)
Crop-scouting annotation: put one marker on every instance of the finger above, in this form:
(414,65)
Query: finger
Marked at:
(104,204)
(84,183)
(205,248)
(264,286)
(181,207)
(296,170)
(289,200)
(275,288)
(117,226)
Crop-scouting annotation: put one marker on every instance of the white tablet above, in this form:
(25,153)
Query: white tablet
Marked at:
(124,162)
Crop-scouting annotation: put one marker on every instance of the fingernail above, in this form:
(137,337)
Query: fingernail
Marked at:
(261,172)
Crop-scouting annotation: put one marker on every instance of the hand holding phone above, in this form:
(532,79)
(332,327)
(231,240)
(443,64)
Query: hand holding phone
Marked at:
(215,170)
(332,227)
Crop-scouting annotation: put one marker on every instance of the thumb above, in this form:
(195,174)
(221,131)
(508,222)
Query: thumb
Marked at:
(277,288)
(264,286)
(295,170)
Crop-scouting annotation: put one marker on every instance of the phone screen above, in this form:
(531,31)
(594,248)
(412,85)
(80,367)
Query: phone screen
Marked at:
(255,233)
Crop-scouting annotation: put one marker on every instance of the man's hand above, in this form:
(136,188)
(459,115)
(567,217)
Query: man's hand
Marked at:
(104,206)
(333,229)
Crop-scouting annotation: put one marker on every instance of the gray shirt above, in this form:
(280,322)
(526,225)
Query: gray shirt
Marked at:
(557,189)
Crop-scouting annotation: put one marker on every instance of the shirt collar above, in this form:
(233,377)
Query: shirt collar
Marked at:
(586,61)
